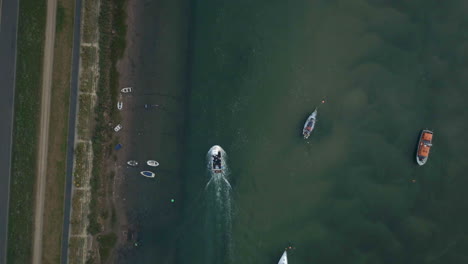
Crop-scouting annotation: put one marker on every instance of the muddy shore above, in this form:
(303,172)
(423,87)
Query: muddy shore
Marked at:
(155,65)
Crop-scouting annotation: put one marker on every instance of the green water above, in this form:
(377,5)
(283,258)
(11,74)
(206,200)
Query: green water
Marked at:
(346,195)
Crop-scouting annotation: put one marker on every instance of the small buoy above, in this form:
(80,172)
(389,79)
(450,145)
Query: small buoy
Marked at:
(172,200)
(323,101)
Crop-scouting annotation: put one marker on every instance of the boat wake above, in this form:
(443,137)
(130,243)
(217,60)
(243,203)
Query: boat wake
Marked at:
(219,211)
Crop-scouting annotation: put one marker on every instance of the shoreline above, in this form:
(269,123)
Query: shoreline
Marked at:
(126,77)
(158,78)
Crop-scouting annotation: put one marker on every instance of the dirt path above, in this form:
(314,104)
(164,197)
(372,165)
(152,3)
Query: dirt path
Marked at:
(44,130)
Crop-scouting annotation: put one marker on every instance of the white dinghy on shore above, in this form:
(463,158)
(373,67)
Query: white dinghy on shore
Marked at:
(152,163)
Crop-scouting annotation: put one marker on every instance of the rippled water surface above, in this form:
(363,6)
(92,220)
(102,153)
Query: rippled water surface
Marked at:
(351,193)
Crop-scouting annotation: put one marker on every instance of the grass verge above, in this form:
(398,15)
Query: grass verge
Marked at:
(31,30)
(58,132)
(112,45)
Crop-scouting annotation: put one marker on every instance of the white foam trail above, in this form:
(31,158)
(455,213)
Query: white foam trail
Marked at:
(222,210)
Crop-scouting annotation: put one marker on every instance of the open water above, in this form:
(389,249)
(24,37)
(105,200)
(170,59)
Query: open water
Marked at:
(353,192)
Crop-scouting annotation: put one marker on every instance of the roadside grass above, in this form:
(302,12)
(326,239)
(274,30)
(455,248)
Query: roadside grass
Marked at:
(81,163)
(30,49)
(88,57)
(75,253)
(90,16)
(77,217)
(84,116)
(112,45)
(112,30)
(58,132)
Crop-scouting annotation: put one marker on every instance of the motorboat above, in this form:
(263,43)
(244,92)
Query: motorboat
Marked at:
(284,258)
(119,105)
(152,163)
(424,146)
(132,163)
(148,174)
(216,159)
(126,90)
(309,124)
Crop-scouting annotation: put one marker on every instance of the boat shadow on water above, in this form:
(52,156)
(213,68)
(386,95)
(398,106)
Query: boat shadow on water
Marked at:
(415,148)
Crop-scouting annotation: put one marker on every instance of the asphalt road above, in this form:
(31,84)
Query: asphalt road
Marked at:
(8,31)
(71,130)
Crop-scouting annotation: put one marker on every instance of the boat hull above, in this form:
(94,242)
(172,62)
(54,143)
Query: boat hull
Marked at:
(152,163)
(309,125)
(424,146)
(284,258)
(126,90)
(148,174)
(132,163)
(216,159)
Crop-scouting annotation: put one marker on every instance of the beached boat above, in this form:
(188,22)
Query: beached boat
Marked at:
(126,90)
(424,146)
(132,163)
(284,258)
(216,159)
(309,124)
(152,163)
(148,174)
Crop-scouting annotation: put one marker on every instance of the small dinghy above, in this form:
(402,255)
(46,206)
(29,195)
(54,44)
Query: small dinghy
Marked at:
(152,163)
(126,90)
(132,163)
(148,174)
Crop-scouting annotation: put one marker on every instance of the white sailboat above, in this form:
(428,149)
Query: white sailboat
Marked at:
(284,258)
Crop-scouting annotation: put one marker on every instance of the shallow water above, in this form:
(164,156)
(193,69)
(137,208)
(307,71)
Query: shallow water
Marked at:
(347,194)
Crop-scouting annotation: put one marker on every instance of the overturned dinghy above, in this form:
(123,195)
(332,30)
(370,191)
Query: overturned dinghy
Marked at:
(132,163)
(127,90)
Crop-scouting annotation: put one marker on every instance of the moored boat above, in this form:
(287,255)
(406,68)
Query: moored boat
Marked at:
(309,124)
(148,174)
(126,90)
(216,159)
(284,258)
(132,163)
(152,163)
(424,146)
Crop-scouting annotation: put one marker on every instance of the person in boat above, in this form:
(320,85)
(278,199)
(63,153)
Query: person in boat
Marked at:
(216,162)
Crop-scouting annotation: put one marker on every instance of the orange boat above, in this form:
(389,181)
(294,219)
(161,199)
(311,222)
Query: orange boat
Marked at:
(424,146)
